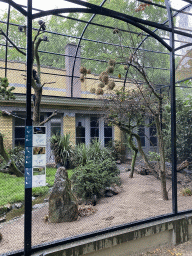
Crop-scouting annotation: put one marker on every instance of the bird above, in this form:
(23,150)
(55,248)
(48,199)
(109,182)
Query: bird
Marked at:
(42,24)
(20,28)
(45,38)
(119,76)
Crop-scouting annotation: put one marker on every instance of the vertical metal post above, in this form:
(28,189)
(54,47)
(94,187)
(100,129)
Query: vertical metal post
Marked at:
(173,110)
(28,188)
(173,128)
(7,33)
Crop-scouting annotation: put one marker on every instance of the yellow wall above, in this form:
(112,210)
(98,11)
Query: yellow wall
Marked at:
(18,77)
(70,127)
(6,124)
(56,79)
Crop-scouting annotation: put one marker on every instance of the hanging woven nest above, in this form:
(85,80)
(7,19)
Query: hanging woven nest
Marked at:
(110,69)
(89,71)
(83,70)
(92,90)
(99,91)
(104,77)
(82,78)
(126,67)
(111,85)
(101,85)
(112,63)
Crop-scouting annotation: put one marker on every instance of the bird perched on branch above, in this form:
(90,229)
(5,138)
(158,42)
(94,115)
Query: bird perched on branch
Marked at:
(42,24)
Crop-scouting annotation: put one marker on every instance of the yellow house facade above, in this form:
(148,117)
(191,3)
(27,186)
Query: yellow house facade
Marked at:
(81,116)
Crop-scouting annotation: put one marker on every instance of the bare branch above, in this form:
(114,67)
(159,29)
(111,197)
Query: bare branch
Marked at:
(48,83)
(51,116)
(11,42)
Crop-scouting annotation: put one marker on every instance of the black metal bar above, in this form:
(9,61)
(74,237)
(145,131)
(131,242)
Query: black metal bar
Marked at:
(153,4)
(28,191)
(183,46)
(173,112)
(70,240)
(106,12)
(16,6)
(138,47)
(7,33)
(188,1)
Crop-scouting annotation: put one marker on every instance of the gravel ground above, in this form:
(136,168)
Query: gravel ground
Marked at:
(139,198)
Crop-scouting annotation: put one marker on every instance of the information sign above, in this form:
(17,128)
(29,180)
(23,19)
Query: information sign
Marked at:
(39,156)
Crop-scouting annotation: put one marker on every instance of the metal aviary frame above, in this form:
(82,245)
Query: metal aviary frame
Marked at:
(137,22)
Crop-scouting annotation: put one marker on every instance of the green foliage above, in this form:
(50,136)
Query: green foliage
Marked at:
(186,192)
(153,156)
(82,153)
(6,92)
(17,155)
(92,178)
(183,131)
(62,148)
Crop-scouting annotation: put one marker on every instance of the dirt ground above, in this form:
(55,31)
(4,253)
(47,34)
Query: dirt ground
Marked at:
(139,198)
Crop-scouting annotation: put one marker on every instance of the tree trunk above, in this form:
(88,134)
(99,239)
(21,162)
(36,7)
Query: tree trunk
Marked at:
(36,108)
(144,155)
(134,156)
(3,152)
(162,173)
(133,163)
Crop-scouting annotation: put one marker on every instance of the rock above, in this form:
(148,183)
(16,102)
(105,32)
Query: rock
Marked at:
(63,205)
(118,162)
(18,205)
(108,194)
(86,210)
(4,209)
(3,219)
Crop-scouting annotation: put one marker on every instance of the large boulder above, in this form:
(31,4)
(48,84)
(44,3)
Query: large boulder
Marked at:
(63,205)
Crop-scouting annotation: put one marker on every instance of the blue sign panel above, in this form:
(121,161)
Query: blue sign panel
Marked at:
(28,156)
(28,136)
(28,177)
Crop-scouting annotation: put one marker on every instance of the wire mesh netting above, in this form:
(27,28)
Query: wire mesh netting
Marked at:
(101,88)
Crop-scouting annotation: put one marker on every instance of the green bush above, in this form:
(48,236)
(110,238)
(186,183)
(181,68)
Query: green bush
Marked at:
(62,149)
(82,153)
(92,178)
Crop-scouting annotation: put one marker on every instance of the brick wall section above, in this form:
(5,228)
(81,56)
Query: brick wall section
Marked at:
(117,134)
(6,124)
(69,127)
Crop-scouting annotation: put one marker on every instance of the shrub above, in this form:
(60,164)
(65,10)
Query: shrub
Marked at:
(92,178)
(18,157)
(62,149)
(82,153)
(186,192)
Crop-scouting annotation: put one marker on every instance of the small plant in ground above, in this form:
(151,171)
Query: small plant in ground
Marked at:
(92,178)
(154,156)
(186,192)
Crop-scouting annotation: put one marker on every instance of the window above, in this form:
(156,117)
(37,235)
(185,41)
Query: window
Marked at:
(94,127)
(55,128)
(20,130)
(107,134)
(80,133)
(141,133)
